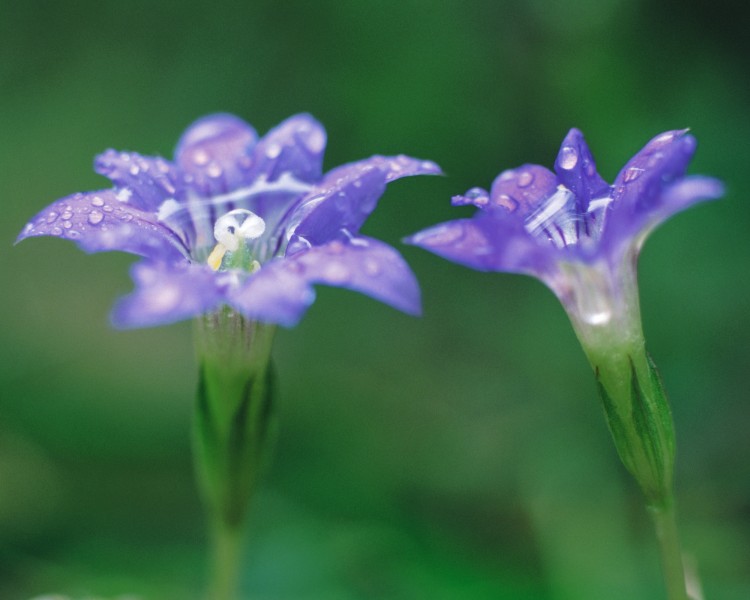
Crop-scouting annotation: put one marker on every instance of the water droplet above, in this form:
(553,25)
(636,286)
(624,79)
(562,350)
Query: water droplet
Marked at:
(97,201)
(107,208)
(72,233)
(67,224)
(96,217)
(134,170)
(214,170)
(357,183)
(201,157)
(632,174)
(372,267)
(337,273)
(126,217)
(525,179)
(507,202)
(56,231)
(51,217)
(273,151)
(336,247)
(568,157)
(67,215)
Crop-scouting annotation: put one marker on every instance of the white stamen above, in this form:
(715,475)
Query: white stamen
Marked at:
(237,226)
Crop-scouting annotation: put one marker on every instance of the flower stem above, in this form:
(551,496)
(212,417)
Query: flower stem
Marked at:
(669,546)
(225,561)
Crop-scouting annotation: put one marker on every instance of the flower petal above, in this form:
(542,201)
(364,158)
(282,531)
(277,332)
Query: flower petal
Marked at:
(295,146)
(281,291)
(343,205)
(215,152)
(100,221)
(652,187)
(143,181)
(521,190)
(488,243)
(394,168)
(576,170)
(166,293)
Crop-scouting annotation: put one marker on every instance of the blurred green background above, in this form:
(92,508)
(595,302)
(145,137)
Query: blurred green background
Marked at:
(460,455)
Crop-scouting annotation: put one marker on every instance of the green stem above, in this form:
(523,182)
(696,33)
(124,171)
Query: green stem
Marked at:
(225,561)
(669,546)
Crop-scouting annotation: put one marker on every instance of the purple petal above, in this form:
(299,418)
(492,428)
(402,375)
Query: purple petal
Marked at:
(100,221)
(521,190)
(476,196)
(394,168)
(215,153)
(167,293)
(144,182)
(625,227)
(663,160)
(488,243)
(576,170)
(275,294)
(344,204)
(295,147)
(281,291)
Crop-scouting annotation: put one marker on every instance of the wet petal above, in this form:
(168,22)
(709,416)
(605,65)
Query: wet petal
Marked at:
(282,290)
(659,163)
(488,243)
(576,170)
(167,293)
(344,204)
(142,181)
(476,196)
(394,168)
(100,221)
(216,154)
(295,147)
(521,190)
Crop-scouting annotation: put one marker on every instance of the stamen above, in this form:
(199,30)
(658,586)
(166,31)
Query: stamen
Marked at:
(233,231)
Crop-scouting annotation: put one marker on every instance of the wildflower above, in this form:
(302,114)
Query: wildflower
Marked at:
(581,237)
(239,221)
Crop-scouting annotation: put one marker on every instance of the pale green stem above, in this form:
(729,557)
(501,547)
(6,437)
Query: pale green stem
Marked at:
(669,546)
(225,561)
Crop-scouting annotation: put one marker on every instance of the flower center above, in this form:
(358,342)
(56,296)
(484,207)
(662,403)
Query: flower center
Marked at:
(233,232)
(559,220)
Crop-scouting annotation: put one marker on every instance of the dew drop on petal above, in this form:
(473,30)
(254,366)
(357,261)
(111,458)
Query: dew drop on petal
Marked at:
(52,217)
(107,208)
(525,179)
(67,215)
(72,233)
(96,217)
(214,170)
(632,174)
(568,157)
(97,201)
(273,151)
(56,231)
(201,157)
(134,170)
(336,273)
(67,224)
(372,267)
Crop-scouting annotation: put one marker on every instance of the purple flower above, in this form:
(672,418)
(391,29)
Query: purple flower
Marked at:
(571,229)
(239,221)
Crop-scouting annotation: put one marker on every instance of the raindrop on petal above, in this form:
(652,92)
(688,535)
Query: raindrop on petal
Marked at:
(632,174)
(96,217)
(52,217)
(568,157)
(97,201)
(525,179)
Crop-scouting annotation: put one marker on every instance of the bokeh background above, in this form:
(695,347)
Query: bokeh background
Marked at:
(460,455)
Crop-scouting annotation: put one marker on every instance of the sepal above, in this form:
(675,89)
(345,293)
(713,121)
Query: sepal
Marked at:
(642,429)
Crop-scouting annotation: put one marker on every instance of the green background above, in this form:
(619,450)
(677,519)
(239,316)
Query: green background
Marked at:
(460,455)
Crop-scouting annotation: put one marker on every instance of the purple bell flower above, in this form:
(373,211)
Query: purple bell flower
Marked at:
(574,231)
(239,221)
